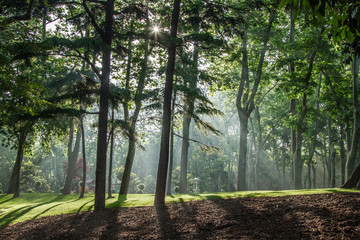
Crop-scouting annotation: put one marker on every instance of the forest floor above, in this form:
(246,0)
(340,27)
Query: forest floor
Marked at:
(317,216)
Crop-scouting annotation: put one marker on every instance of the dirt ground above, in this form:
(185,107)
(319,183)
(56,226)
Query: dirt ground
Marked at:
(323,216)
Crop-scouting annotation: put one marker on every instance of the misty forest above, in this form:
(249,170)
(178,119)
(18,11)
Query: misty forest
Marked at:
(166,97)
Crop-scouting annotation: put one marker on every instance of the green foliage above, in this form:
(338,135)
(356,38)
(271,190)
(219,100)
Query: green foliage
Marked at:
(134,179)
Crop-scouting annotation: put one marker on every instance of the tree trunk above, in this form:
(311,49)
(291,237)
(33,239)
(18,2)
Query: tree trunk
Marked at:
(342,154)
(111,154)
(72,158)
(245,103)
(128,164)
(171,162)
(355,176)
(350,163)
(314,176)
(165,131)
(14,185)
(100,182)
(124,188)
(189,101)
(241,179)
(84,158)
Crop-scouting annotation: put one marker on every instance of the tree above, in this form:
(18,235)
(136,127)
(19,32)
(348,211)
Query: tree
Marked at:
(166,120)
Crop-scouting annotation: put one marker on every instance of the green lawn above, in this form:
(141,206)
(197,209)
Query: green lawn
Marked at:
(35,205)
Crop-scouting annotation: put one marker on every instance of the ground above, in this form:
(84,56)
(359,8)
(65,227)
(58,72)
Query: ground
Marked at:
(318,216)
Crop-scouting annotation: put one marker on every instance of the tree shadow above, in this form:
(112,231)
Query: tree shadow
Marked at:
(255,220)
(166,224)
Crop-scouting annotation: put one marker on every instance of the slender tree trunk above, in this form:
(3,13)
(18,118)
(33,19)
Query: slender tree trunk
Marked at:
(241,179)
(355,176)
(189,101)
(111,154)
(84,157)
(128,163)
(342,154)
(14,185)
(283,159)
(165,131)
(350,164)
(314,176)
(171,162)
(292,110)
(124,188)
(100,182)
(245,103)
(259,149)
(72,158)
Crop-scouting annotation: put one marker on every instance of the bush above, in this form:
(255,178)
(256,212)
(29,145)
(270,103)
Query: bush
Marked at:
(30,190)
(176,189)
(1,192)
(141,186)
(81,184)
(61,190)
(37,185)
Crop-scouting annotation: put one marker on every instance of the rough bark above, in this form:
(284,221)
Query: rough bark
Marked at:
(100,182)
(166,121)
(14,185)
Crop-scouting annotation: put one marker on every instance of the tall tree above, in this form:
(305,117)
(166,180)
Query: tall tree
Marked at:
(166,120)
(245,100)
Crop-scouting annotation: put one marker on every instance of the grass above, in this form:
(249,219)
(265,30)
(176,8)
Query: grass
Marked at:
(35,205)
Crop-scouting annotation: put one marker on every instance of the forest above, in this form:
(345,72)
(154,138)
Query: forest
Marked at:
(163,97)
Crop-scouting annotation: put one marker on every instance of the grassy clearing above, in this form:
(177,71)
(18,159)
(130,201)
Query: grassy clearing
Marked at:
(35,205)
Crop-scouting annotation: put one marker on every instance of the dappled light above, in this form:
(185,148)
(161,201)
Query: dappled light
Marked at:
(179,110)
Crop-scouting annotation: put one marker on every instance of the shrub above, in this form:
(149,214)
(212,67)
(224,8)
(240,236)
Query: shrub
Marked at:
(30,190)
(61,190)
(176,189)
(141,186)
(1,192)
(37,185)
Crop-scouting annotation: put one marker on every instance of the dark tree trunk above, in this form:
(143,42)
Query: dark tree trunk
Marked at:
(350,163)
(100,182)
(84,158)
(111,154)
(342,154)
(72,158)
(355,176)
(14,185)
(166,121)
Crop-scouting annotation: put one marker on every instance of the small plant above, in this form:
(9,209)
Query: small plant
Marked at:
(30,190)
(1,192)
(176,189)
(81,184)
(61,190)
(37,185)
